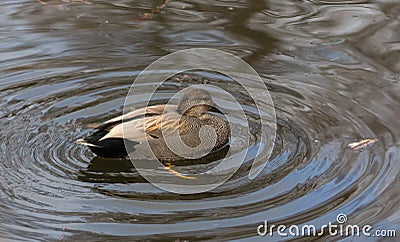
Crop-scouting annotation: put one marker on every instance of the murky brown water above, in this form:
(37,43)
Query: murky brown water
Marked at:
(333,69)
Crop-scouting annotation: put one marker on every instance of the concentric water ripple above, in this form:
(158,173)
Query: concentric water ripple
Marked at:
(67,65)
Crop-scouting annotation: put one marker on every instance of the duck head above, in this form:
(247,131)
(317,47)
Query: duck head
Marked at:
(196,102)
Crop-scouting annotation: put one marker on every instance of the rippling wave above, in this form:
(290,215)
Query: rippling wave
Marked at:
(331,68)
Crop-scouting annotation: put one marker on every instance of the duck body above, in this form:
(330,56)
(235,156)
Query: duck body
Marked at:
(154,124)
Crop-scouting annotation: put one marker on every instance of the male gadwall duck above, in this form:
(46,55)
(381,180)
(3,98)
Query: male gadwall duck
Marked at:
(187,118)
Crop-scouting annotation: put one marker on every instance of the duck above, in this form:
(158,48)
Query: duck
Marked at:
(195,109)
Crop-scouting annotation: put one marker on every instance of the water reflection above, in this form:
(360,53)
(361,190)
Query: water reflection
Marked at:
(333,71)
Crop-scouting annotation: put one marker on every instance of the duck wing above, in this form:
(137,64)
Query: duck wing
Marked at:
(163,125)
(147,126)
(135,114)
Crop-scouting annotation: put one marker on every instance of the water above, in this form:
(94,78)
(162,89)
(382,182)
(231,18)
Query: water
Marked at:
(333,72)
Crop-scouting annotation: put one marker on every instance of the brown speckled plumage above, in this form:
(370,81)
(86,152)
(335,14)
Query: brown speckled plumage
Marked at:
(157,122)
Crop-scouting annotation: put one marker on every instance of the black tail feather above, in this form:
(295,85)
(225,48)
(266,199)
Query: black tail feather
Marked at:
(110,148)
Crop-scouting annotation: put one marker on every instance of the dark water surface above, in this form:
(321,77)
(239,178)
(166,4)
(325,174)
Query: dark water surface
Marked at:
(333,69)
